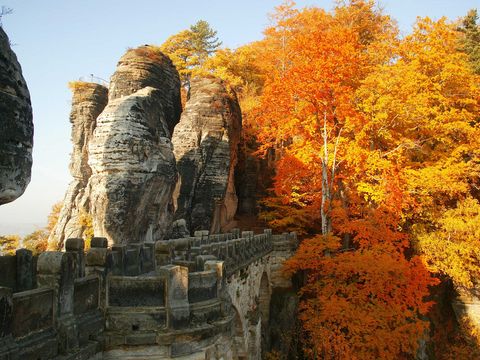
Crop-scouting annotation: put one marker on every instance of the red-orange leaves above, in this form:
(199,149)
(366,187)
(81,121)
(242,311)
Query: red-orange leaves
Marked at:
(363,304)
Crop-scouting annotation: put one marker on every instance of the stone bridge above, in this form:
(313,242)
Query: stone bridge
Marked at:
(201,297)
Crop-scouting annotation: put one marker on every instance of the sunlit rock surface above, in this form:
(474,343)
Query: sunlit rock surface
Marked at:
(88,101)
(128,195)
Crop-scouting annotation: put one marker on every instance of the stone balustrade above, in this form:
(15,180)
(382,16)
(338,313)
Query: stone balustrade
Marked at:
(78,303)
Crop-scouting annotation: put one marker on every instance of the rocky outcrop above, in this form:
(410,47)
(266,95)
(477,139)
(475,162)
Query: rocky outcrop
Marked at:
(147,67)
(88,101)
(206,148)
(128,195)
(16,134)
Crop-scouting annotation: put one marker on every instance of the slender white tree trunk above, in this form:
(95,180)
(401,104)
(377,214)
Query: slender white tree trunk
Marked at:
(328,177)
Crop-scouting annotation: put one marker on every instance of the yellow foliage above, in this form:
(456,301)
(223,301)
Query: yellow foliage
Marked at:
(79,85)
(36,242)
(85,220)
(53,216)
(8,244)
(451,244)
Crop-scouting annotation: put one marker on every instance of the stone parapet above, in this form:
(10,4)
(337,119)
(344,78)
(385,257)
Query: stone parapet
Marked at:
(77,303)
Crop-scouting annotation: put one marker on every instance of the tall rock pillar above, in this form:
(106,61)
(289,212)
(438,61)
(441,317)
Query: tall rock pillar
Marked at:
(206,148)
(130,172)
(133,167)
(88,101)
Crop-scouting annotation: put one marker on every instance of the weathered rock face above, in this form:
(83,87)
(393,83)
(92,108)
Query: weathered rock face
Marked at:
(206,148)
(130,169)
(88,101)
(143,67)
(16,134)
(134,170)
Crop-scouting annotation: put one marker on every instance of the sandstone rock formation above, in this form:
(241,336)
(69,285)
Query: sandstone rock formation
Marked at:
(206,148)
(128,195)
(88,101)
(16,134)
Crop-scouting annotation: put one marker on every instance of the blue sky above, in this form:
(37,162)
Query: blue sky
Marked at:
(58,41)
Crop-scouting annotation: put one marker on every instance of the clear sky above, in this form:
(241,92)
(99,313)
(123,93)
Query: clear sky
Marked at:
(57,41)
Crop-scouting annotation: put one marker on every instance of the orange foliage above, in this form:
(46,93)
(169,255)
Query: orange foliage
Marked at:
(376,141)
(363,304)
(365,123)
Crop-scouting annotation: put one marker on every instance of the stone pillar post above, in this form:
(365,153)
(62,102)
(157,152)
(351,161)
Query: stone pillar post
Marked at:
(99,262)
(268,232)
(99,242)
(203,235)
(119,259)
(57,270)
(235,232)
(178,307)
(163,253)
(76,246)
(219,267)
(24,262)
(200,261)
(148,257)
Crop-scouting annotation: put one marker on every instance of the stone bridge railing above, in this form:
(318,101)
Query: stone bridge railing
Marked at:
(77,303)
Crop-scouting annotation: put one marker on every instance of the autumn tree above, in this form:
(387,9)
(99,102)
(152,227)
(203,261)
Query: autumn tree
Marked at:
(37,241)
(452,245)
(363,304)
(204,40)
(308,98)
(85,221)
(420,116)
(53,216)
(190,48)
(470,41)
(310,108)
(240,69)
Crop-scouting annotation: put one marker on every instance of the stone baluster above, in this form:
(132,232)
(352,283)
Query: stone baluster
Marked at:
(148,257)
(163,253)
(99,262)
(119,261)
(201,259)
(222,253)
(99,242)
(76,246)
(216,249)
(268,232)
(134,261)
(194,251)
(177,305)
(57,270)
(182,248)
(236,233)
(25,270)
(293,240)
(219,267)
